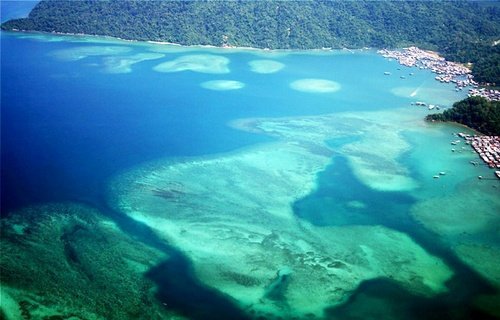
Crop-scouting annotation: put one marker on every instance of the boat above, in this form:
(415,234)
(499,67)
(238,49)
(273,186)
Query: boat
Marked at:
(387,73)
(442,173)
(436,177)
(497,173)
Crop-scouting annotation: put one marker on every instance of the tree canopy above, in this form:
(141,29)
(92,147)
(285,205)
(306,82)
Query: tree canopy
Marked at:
(474,112)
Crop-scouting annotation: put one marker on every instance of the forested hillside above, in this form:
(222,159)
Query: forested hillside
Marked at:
(474,112)
(465,31)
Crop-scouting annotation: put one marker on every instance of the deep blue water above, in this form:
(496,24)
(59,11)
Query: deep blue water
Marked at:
(390,207)
(67,126)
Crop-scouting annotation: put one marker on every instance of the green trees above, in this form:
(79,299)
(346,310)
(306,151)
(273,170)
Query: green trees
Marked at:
(475,112)
(462,31)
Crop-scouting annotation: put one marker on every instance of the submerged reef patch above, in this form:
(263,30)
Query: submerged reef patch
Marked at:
(204,63)
(79,53)
(467,221)
(464,213)
(123,64)
(232,215)
(67,261)
(265,66)
(315,85)
(223,85)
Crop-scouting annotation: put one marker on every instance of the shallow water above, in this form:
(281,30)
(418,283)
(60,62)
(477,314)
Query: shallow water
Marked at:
(254,172)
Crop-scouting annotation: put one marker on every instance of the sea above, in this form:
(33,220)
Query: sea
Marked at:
(79,112)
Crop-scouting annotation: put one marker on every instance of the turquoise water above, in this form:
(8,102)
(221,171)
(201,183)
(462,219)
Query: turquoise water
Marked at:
(78,111)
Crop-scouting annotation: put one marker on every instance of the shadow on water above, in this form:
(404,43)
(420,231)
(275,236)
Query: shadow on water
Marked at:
(342,199)
(178,288)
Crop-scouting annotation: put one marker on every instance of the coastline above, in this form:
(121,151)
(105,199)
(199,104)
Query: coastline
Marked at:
(193,46)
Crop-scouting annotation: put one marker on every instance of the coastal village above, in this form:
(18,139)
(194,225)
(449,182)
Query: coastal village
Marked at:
(487,147)
(446,71)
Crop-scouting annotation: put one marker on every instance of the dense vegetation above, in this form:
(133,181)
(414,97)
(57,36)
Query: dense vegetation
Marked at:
(463,31)
(475,112)
(484,55)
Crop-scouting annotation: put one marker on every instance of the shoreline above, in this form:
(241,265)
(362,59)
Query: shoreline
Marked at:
(202,46)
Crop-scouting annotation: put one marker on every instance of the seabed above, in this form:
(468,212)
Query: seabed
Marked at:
(232,216)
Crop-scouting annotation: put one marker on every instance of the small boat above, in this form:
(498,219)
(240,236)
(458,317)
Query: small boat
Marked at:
(479,177)
(436,177)
(442,173)
(387,73)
